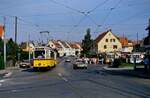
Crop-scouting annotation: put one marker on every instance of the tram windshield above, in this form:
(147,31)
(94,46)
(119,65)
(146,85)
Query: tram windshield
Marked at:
(39,54)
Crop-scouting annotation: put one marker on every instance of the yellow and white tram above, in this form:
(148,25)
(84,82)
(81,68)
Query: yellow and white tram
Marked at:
(44,57)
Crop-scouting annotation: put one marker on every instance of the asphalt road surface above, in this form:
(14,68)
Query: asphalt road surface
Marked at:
(64,82)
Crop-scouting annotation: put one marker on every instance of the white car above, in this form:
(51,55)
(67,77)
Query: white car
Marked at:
(136,57)
(79,64)
(24,64)
(67,60)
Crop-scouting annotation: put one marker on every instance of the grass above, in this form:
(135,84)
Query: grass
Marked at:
(123,65)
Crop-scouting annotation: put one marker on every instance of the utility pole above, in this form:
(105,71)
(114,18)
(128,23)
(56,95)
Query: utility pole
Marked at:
(29,46)
(4,43)
(137,35)
(16,24)
(16,36)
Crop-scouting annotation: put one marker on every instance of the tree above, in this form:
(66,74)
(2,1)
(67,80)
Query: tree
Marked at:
(147,39)
(1,54)
(1,45)
(12,49)
(87,43)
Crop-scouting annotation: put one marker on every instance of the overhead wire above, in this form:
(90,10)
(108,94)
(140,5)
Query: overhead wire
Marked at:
(76,25)
(29,23)
(66,6)
(86,14)
(135,15)
(97,6)
(110,11)
(48,14)
(26,22)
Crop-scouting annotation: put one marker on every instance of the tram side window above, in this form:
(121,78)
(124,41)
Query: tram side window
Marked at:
(39,54)
(52,54)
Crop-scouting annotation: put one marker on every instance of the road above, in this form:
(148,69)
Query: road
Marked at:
(64,82)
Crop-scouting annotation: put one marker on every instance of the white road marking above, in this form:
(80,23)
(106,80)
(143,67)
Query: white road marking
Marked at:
(2,80)
(7,75)
(60,75)
(14,90)
(65,79)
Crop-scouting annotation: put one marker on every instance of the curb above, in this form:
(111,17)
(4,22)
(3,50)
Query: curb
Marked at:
(119,69)
(7,71)
(3,73)
(127,71)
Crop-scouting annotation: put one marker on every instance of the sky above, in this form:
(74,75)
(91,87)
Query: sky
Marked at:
(69,19)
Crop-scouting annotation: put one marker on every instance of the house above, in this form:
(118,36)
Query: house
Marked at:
(56,46)
(107,42)
(66,48)
(76,49)
(79,49)
(130,46)
(26,47)
(127,45)
(1,31)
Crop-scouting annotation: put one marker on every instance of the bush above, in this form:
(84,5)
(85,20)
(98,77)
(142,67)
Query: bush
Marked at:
(116,63)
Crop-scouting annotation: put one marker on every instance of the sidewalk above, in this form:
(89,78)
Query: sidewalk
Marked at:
(128,71)
(7,70)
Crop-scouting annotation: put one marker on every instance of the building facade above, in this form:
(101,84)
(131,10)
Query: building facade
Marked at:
(127,45)
(107,42)
(65,48)
(1,31)
(55,45)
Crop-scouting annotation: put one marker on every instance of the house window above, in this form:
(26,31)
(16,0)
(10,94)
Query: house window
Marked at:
(111,40)
(106,40)
(114,46)
(105,47)
(114,40)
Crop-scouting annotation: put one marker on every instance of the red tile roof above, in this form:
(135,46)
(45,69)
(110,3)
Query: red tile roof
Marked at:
(1,31)
(123,41)
(56,44)
(64,44)
(99,38)
(74,46)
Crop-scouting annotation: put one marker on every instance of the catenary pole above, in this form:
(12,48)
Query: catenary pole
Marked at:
(4,43)
(16,24)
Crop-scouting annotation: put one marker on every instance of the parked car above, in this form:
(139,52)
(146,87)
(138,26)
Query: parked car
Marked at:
(24,64)
(67,60)
(136,57)
(79,64)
